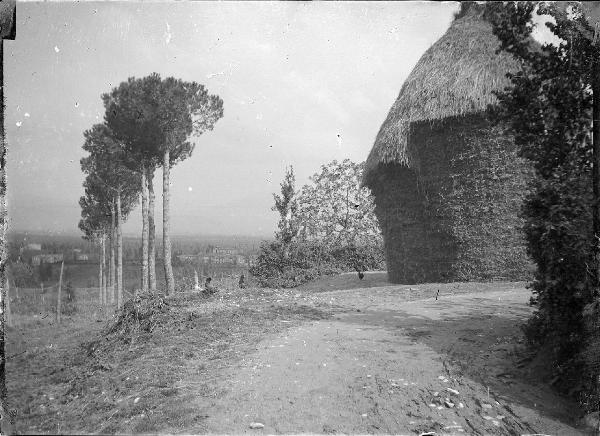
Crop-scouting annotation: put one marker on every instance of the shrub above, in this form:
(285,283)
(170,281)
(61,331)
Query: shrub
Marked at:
(549,109)
(69,300)
(22,274)
(590,397)
(289,265)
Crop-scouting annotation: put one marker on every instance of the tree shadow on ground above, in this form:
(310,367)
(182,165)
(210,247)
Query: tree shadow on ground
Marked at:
(480,339)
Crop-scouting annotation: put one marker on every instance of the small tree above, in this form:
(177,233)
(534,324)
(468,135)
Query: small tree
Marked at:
(69,300)
(44,272)
(95,224)
(105,168)
(327,228)
(287,206)
(22,274)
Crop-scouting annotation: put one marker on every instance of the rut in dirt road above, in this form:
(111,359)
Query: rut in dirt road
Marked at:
(402,368)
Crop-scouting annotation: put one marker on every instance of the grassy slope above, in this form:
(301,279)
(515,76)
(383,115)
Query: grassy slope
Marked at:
(139,381)
(133,381)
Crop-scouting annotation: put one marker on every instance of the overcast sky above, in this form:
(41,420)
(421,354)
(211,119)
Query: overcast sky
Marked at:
(302,84)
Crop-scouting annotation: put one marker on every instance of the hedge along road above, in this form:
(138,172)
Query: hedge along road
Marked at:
(450,366)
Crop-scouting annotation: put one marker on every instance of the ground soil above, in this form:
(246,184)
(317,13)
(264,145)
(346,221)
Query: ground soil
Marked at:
(389,369)
(384,359)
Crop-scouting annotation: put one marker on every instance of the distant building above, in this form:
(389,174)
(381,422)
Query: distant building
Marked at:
(187,257)
(82,257)
(46,258)
(223,260)
(225,251)
(34,247)
(241,260)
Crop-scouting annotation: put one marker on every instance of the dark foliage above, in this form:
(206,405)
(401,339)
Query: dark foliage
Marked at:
(289,265)
(21,274)
(287,206)
(549,111)
(45,272)
(69,300)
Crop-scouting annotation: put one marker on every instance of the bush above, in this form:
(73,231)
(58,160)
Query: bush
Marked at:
(549,110)
(558,230)
(289,265)
(590,356)
(69,300)
(22,274)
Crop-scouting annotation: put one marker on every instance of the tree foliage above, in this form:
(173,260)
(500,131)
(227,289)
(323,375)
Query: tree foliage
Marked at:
(150,114)
(95,209)
(549,111)
(185,110)
(22,274)
(131,113)
(152,122)
(287,205)
(106,166)
(326,228)
(335,209)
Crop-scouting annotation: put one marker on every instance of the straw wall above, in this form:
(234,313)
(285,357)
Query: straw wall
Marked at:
(454,215)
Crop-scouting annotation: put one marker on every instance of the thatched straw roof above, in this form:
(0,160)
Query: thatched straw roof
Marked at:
(455,77)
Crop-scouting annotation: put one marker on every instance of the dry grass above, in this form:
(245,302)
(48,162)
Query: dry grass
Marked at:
(159,365)
(133,374)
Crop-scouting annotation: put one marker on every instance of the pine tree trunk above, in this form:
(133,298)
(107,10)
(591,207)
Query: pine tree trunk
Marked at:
(596,190)
(170,282)
(151,231)
(112,255)
(6,308)
(119,253)
(596,174)
(103,263)
(144,230)
(59,301)
(100,274)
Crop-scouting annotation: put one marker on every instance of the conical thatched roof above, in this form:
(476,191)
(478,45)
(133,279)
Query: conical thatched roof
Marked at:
(455,77)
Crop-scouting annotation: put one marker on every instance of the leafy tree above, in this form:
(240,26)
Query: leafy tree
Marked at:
(96,223)
(552,109)
(185,109)
(287,206)
(157,119)
(105,167)
(327,228)
(22,274)
(69,300)
(336,209)
(131,114)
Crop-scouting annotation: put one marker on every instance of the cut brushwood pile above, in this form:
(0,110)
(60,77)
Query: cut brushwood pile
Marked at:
(153,342)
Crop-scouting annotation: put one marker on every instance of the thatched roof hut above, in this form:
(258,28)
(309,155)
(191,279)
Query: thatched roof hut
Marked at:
(447,182)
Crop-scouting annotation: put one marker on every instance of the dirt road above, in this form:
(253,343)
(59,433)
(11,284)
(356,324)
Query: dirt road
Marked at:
(448,366)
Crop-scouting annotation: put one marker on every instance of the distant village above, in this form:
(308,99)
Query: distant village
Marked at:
(34,254)
(220,256)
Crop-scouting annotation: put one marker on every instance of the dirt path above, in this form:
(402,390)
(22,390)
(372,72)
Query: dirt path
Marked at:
(385,366)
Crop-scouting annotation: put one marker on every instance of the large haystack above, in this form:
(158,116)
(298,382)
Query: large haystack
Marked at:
(448,184)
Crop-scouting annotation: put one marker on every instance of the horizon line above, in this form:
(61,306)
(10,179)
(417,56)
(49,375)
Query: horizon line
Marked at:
(136,235)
